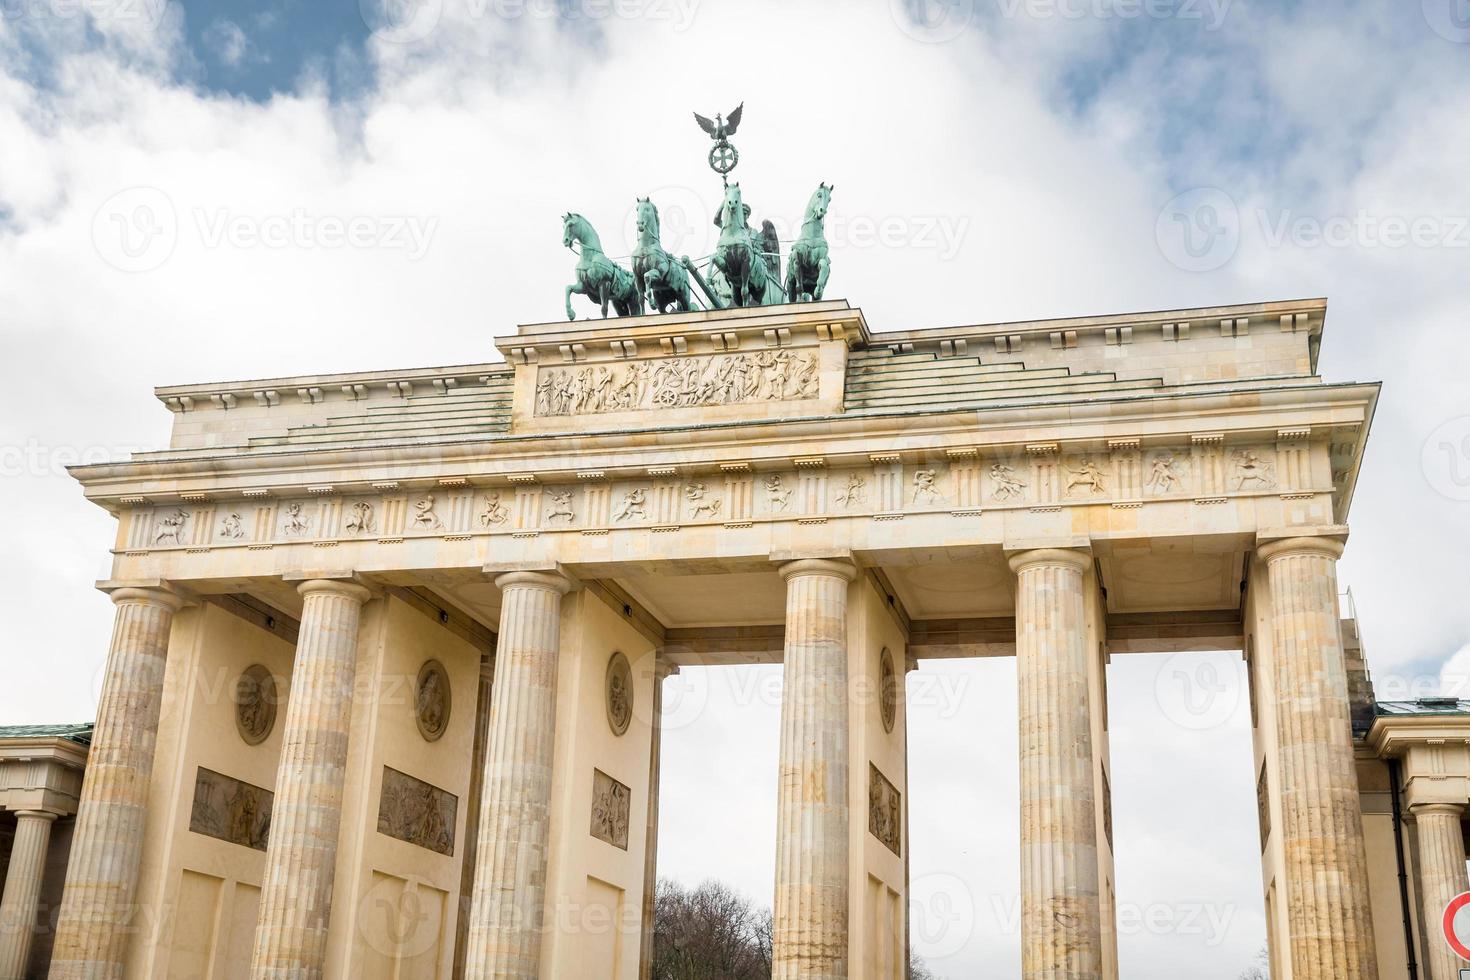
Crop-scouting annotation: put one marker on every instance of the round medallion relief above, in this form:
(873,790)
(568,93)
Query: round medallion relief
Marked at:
(619,693)
(431,700)
(888,690)
(255,704)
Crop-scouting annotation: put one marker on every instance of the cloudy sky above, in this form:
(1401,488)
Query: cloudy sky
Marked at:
(176,177)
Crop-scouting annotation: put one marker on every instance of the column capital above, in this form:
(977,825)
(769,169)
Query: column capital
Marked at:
(333,586)
(1303,539)
(1077,558)
(1447,809)
(553,581)
(153,593)
(45,815)
(837,568)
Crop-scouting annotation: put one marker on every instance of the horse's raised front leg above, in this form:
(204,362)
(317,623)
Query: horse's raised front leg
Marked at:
(573,288)
(824,269)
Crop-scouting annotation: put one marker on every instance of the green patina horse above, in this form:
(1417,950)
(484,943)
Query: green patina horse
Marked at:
(658,276)
(599,278)
(808,268)
(750,264)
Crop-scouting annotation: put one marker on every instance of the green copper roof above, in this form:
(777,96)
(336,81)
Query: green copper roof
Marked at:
(81,734)
(1425,706)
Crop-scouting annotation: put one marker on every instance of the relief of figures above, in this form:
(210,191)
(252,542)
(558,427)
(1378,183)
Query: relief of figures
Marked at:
(230,810)
(412,810)
(1006,485)
(1252,472)
(1087,476)
(362,520)
(885,811)
(725,379)
(611,804)
(494,511)
(1163,474)
(700,502)
(171,526)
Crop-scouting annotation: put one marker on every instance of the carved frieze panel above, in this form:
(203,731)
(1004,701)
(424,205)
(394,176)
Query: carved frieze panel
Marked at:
(417,812)
(1042,477)
(678,382)
(611,809)
(230,810)
(885,810)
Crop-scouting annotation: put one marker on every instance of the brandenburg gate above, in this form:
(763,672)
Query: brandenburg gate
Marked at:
(384,686)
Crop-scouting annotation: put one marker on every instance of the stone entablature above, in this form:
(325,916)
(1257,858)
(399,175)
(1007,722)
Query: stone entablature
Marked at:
(41,772)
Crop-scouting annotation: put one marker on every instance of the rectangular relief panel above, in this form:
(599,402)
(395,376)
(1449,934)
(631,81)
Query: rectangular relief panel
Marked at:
(414,811)
(885,811)
(679,382)
(611,806)
(230,810)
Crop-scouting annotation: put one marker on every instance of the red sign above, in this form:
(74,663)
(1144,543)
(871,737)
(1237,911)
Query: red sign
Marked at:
(1456,940)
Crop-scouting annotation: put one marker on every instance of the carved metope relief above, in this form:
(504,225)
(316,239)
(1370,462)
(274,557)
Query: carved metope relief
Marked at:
(684,382)
(887,690)
(414,811)
(611,805)
(256,698)
(431,700)
(619,694)
(885,811)
(230,810)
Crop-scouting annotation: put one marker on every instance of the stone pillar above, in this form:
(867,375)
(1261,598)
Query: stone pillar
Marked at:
(301,860)
(23,890)
(97,912)
(809,930)
(1441,878)
(662,669)
(515,821)
(1326,867)
(1061,913)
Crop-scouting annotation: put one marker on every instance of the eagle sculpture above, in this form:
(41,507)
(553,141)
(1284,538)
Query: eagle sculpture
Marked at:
(721,129)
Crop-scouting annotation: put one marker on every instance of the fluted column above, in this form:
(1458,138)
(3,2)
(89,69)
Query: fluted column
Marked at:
(809,930)
(1326,866)
(1061,914)
(515,821)
(107,842)
(23,890)
(1441,878)
(301,858)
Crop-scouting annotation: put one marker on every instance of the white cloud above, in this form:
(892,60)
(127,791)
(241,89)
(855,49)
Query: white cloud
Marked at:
(228,42)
